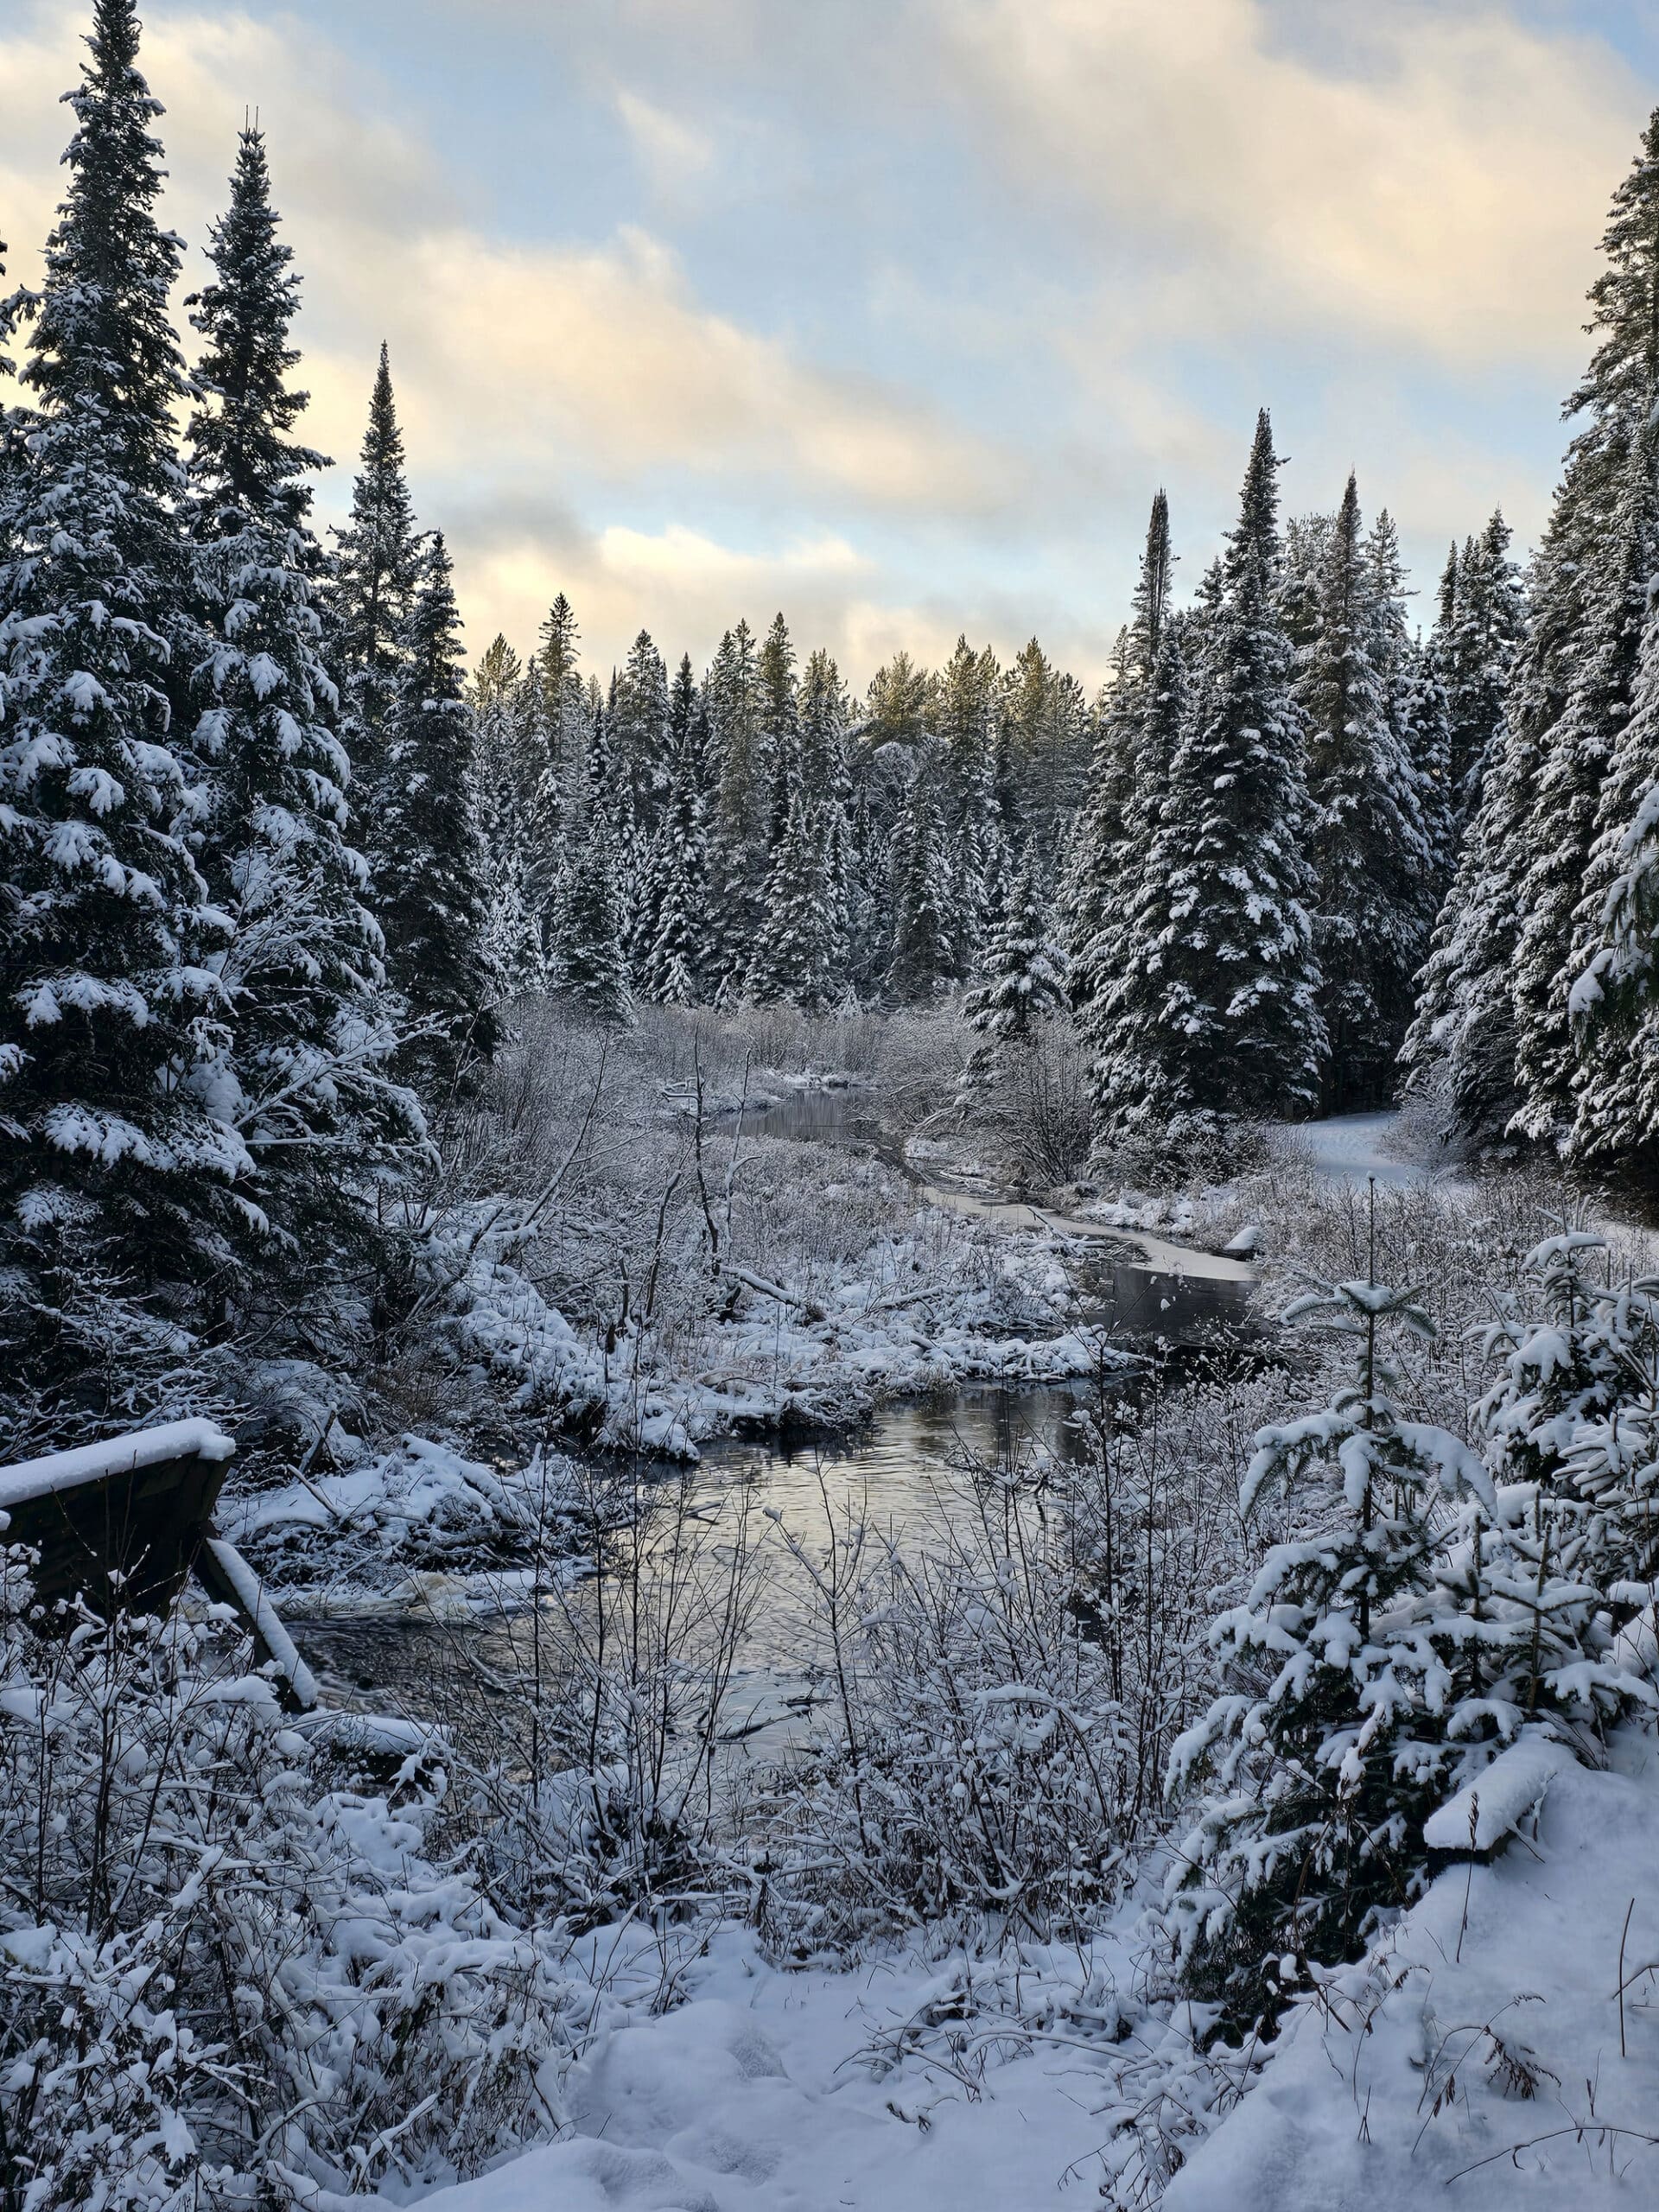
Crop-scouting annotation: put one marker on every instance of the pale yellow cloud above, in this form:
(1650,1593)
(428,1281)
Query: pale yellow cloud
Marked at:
(1438,178)
(511,360)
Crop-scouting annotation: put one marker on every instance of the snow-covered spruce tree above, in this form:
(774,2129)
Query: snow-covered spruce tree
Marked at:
(109,1161)
(302,1078)
(826,779)
(1482,620)
(676,971)
(517,806)
(592,962)
(1461,1040)
(794,954)
(558,662)
(375,567)
(1238,1034)
(922,962)
(1325,1757)
(1119,816)
(1577,764)
(965,724)
(1494,1026)
(639,745)
(1369,850)
(1123,1022)
(1427,724)
(739,819)
(1613,1000)
(1024,968)
(430,870)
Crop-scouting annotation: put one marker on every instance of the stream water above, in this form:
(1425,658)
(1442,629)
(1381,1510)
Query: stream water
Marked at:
(905,1474)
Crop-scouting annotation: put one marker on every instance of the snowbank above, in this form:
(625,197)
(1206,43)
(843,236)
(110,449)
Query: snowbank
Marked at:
(1480,2046)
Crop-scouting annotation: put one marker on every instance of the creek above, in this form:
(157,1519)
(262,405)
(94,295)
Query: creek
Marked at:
(905,1473)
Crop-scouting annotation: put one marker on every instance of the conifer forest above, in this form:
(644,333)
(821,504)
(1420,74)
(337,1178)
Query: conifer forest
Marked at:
(924,1398)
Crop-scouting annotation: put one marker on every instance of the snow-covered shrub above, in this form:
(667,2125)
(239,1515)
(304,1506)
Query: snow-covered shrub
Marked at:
(233,1972)
(594,1780)
(968,1771)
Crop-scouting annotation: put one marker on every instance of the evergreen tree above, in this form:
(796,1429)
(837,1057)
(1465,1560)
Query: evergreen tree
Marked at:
(430,866)
(302,1077)
(923,931)
(516,802)
(559,663)
(677,966)
(1025,970)
(1577,763)
(639,735)
(1237,1030)
(376,567)
(1119,819)
(109,1157)
(1328,1758)
(742,815)
(1369,848)
(1481,625)
(794,955)
(592,964)
(1495,1025)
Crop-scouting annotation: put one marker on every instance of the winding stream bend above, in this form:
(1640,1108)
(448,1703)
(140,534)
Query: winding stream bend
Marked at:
(893,1474)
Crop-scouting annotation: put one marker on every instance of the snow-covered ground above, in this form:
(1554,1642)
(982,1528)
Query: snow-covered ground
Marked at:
(1353,1148)
(1481,2060)
(1475,2062)
(759,2094)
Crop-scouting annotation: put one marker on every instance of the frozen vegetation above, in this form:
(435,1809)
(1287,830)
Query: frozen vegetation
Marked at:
(469,1098)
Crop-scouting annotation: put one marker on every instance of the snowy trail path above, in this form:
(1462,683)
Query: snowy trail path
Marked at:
(1350,1148)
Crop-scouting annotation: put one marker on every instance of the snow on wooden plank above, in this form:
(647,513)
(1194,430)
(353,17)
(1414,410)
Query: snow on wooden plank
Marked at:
(222,1568)
(116,1455)
(1494,1804)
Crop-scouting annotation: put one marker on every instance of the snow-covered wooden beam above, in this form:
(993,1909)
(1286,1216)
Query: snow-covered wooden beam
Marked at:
(122,1522)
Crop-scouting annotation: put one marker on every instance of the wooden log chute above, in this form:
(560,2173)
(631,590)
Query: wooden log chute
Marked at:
(124,1523)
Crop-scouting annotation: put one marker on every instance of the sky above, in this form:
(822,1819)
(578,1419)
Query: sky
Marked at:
(894,313)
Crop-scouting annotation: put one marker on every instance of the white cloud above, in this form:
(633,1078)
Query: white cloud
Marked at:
(673,153)
(1436,178)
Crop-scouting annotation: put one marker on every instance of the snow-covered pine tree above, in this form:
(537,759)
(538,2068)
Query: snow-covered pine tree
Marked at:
(1120,813)
(1369,848)
(559,663)
(676,970)
(501,725)
(430,870)
(741,822)
(375,567)
(303,1078)
(640,740)
(965,724)
(1614,1000)
(1481,621)
(109,1160)
(1024,968)
(1427,724)
(1325,1761)
(1577,764)
(593,965)
(1494,1022)
(826,778)
(793,958)
(922,960)
(1238,1033)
